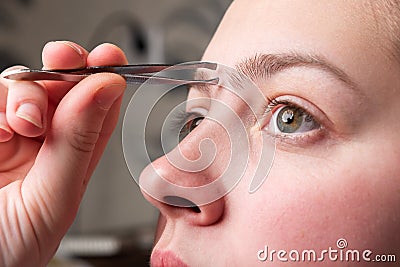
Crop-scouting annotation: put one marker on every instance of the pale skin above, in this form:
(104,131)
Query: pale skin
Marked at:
(337,181)
(343,183)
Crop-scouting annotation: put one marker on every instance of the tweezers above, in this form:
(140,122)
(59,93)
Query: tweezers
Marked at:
(134,74)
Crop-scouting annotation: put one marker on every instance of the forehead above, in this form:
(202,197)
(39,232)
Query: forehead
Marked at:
(284,25)
(343,32)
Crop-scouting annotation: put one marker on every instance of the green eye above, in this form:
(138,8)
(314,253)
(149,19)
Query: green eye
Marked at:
(189,126)
(289,119)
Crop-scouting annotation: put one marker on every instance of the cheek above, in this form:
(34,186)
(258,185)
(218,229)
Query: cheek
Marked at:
(310,204)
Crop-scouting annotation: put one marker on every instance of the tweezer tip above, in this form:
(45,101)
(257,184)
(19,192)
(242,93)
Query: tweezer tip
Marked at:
(7,74)
(10,73)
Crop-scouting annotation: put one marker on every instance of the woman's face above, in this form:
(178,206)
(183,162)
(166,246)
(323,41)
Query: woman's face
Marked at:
(333,82)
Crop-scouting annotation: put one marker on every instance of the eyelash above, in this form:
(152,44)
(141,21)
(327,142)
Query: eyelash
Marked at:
(182,117)
(271,104)
(297,138)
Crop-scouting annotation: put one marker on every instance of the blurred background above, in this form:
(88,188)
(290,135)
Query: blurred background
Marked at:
(115,225)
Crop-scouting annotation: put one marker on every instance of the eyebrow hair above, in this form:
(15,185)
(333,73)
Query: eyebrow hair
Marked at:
(265,65)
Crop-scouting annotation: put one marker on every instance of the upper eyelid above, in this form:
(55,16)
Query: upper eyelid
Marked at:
(183,116)
(197,102)
(180,118)
(198,110)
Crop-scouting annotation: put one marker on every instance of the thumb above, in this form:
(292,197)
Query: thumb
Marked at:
(54,184)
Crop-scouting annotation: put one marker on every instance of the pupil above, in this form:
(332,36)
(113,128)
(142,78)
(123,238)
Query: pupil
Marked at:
(289,120)
(288,116)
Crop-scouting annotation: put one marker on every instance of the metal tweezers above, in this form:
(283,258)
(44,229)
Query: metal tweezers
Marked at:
(136,74)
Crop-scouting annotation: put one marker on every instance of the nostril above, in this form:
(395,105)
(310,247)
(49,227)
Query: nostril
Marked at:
(181,202)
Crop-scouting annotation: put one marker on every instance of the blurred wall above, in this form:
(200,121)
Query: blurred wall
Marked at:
(149,31)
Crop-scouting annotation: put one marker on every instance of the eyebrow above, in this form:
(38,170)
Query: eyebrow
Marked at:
(262,66)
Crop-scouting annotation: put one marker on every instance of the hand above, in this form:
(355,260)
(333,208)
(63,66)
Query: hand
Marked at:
(52,134)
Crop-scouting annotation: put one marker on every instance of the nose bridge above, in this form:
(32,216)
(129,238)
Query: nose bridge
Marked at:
(203,152)
(204,167)
(197,161)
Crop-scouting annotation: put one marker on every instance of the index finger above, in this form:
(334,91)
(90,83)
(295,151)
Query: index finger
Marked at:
(104,54)
(62,55)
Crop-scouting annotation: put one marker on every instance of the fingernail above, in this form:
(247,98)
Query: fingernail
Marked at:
(31,113)
(5,132)
(73,46)
(106,96)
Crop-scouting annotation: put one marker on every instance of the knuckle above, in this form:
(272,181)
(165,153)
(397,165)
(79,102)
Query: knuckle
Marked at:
(83,140)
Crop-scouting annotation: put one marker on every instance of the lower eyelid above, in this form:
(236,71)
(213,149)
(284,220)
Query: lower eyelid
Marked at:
(299,139)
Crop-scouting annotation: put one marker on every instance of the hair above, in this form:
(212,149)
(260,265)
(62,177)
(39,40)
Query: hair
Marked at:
(386,14)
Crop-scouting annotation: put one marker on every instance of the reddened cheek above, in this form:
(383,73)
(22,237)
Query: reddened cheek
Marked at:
(301,209)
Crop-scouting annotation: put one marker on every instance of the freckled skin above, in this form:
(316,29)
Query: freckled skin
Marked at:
(346,185)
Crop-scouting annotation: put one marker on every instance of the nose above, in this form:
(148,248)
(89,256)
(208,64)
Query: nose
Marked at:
(186,183)
(178,204)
